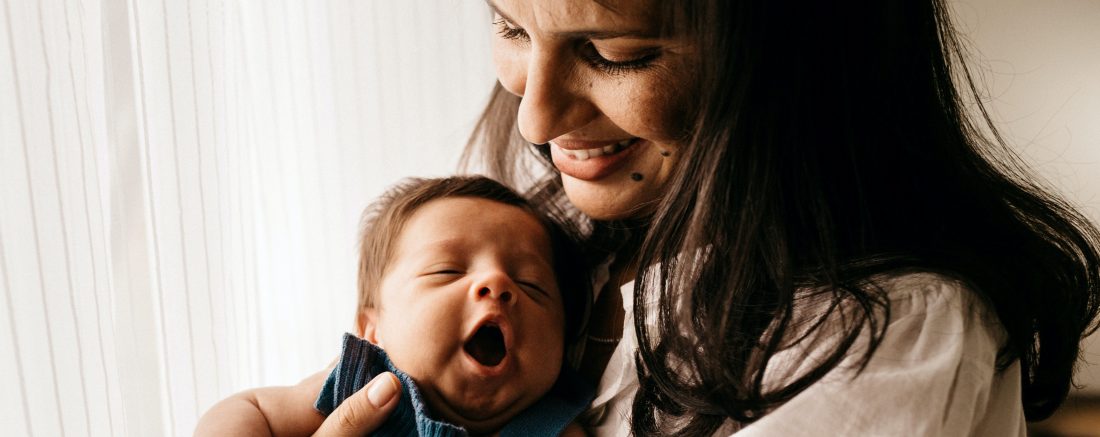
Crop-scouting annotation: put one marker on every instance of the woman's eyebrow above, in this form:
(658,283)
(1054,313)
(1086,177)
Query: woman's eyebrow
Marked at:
(586,34)
(497,11)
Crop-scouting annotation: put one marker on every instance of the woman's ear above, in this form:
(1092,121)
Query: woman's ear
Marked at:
(366,325)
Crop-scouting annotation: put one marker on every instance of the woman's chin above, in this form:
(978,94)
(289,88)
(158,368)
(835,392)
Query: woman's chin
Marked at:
(616,197)
(632,190)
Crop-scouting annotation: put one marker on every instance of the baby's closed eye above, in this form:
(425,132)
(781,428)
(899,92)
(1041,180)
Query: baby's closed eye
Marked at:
(444,268)
(533,285)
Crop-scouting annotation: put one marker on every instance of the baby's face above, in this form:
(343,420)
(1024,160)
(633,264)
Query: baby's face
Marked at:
(469,307)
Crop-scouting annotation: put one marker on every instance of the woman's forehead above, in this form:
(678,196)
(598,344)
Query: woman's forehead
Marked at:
(577,16)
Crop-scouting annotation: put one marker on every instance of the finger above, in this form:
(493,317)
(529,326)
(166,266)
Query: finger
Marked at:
(364,411)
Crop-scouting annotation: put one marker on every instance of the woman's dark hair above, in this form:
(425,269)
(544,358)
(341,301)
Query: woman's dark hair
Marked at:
(834,146)
(385,218)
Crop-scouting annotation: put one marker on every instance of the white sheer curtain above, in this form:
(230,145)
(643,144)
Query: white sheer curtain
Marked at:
(181,187)
(180,180)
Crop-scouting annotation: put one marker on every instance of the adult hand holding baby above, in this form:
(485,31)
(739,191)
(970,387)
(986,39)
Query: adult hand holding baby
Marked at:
(364,411)
(288,410)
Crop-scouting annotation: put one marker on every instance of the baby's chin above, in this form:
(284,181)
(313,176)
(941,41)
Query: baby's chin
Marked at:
(478,413)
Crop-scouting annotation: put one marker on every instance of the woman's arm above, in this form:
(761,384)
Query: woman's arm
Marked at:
(288,411)
(267,411)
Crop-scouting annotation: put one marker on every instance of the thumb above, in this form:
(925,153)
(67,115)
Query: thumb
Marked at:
(364,411)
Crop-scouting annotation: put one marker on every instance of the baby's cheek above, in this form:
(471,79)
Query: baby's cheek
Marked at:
(420,360)
(411,347)
(551,349)
(548,374)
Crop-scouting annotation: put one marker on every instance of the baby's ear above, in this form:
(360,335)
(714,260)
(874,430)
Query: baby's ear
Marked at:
(366,323)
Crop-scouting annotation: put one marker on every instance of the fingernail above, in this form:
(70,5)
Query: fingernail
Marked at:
(381,390)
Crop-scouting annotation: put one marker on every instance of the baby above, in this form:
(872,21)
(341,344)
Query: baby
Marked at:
(469,297)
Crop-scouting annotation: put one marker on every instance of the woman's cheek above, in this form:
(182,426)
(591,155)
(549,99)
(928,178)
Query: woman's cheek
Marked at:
(669,99)
(651,112)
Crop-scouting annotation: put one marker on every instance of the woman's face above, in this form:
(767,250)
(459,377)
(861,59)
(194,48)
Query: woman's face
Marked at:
(604,89)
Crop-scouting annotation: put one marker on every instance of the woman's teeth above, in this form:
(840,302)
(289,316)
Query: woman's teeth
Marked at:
(610,149)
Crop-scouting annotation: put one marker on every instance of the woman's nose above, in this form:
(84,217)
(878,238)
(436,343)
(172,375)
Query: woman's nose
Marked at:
(554,102)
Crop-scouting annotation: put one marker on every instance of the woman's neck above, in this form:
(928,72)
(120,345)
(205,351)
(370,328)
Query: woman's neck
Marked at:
(622,239)
(622,272)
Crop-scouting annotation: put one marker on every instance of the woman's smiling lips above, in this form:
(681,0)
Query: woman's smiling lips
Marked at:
(591,160)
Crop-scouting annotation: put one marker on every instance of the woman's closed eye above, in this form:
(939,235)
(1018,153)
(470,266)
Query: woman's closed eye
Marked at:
(509,31)
(617,65)
(604,61)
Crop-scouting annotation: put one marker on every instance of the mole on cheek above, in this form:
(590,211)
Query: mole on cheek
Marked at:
(665,153)
(636,176)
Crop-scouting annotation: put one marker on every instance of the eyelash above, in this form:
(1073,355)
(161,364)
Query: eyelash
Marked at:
(508,32)
(614,68)
(523,283)
(536,287)
(589,54)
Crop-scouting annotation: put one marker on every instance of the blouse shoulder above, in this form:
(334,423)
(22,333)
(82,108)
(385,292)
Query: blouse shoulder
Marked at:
(933,373)
(936,317)
(916,293)
(932,306)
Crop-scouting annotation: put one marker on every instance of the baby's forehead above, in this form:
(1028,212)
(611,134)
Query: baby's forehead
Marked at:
(529,250)
(473,221)
(465,216)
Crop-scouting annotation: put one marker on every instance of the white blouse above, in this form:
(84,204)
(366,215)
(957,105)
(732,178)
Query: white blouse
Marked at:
(933,375)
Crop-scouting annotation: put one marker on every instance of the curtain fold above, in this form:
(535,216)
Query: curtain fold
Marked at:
(182,183)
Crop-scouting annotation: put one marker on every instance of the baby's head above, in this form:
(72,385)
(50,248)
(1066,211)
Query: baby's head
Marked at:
(472,293)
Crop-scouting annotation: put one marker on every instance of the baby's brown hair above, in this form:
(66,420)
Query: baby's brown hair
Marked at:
(385,219)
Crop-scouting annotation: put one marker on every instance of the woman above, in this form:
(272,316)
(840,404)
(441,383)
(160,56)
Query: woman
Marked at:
(814,234)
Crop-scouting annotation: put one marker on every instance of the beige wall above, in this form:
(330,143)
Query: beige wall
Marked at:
(1040,62)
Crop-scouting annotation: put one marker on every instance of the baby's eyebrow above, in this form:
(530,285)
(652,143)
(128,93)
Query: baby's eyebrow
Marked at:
(533,259)
(445,245)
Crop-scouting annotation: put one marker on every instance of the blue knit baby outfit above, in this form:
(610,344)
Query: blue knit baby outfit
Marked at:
(360,361)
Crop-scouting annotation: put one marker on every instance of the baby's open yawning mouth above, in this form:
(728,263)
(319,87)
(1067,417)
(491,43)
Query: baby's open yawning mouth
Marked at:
(488,344)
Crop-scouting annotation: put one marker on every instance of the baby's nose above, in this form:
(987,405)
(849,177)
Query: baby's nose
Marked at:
(504,296)
(495,285)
